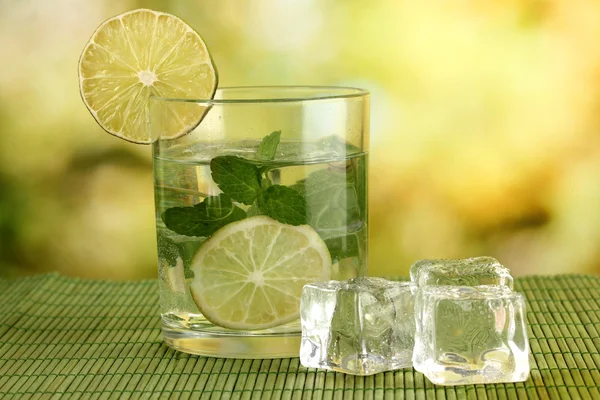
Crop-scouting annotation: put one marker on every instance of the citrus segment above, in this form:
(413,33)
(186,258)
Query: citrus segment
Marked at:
(250,273)
(139,54)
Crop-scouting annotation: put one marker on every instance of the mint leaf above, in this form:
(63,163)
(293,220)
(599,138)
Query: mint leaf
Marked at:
(253,210)
(335,210)
(283,204)
(169,251)
(342,247)
(268,146)
(204,218)
(346,245)
(236,177)
(332,200)
(174,246)
(188,273)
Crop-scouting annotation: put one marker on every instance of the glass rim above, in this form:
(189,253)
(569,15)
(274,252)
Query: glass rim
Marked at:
(321,93)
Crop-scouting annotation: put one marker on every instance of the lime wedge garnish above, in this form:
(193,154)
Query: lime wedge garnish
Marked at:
(141,53)
(250,273)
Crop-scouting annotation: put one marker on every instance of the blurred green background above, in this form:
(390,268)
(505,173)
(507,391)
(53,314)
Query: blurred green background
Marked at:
(484,133)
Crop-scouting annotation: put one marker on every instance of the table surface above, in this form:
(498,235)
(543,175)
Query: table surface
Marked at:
(63,337)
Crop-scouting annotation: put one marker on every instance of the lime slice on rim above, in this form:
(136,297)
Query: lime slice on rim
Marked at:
(143,53)
(250,273)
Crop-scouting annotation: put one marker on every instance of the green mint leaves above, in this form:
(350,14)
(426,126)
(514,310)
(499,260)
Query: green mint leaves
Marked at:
(204,218)
(236,177)
(335,213)
(242,180)
(239,178)
(268,146)
(332,198)
(328,200)
(283,204)
(345,246)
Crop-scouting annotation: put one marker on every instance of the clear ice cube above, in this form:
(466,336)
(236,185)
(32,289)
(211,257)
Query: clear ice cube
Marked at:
(471,335)
(361,326)
(461,272)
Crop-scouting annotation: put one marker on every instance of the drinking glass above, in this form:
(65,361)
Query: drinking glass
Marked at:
(311,143)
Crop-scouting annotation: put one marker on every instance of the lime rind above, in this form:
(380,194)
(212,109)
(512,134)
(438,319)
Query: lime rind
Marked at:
(120,70)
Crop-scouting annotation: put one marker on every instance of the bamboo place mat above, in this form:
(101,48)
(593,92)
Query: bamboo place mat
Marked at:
(71,338)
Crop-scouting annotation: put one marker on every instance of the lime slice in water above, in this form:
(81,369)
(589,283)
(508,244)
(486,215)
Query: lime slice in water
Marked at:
(138,54)
(250,273)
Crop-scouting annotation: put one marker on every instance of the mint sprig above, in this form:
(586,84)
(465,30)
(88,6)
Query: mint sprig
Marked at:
(204,218)
(328,200)
(236,177)
(335,212)
(268,146)
(283,204)
(333,200)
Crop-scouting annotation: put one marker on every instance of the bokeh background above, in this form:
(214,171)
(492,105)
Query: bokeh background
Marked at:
(485,120)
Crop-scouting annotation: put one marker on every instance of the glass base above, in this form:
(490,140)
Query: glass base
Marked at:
(238,345)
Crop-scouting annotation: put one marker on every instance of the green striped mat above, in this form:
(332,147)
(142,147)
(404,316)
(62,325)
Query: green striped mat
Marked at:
(70,338)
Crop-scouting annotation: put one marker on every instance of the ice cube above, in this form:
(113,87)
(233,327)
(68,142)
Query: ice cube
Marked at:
(461,272)
(361,326)
(471,335)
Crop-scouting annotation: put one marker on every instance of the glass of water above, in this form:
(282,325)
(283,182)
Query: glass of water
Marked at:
(266,194)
